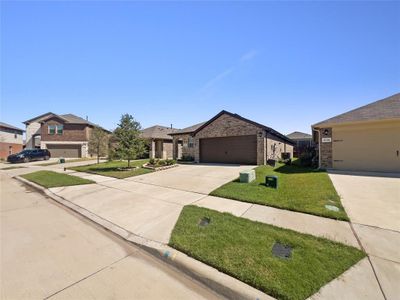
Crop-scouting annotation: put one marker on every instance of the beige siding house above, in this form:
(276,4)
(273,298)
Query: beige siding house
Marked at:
(364,139)
(230,138)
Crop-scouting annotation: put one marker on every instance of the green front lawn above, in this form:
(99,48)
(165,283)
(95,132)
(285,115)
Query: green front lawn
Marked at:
(299,189)
(113,168)
(243,249)
(49,179)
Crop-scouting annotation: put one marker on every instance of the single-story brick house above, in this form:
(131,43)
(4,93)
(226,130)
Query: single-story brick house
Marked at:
(364,139)
(230,138)
(10,140)
(160,142)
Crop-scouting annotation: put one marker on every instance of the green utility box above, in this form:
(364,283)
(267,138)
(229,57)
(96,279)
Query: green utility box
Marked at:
(62,160)
(247,176)
(271,181)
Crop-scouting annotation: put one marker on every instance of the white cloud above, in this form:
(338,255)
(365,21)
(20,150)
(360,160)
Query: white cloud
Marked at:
(245,57)
(248,56)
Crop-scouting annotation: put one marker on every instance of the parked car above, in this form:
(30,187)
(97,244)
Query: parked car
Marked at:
(28,155)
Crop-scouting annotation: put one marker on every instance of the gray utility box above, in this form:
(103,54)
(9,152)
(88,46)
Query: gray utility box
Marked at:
(247,176)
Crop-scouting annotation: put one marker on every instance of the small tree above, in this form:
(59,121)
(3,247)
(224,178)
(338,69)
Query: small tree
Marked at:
(98,142)
(130,145)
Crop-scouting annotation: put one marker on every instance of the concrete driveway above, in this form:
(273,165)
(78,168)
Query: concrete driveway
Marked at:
(373,205)
(148,205)
(201,178)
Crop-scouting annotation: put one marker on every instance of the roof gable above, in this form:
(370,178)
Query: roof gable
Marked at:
(266,128)
(384,109)
(38,118)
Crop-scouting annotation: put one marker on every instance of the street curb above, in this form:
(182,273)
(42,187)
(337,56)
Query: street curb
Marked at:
(217,281)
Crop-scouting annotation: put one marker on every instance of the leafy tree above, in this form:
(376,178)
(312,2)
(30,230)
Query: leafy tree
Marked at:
(98,142)
(130,145)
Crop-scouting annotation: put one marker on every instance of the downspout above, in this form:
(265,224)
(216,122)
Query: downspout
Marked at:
(319,148)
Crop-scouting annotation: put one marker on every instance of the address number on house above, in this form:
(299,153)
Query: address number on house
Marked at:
(326,140)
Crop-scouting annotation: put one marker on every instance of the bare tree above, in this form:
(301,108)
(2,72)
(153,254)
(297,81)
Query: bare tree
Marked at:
(98,142)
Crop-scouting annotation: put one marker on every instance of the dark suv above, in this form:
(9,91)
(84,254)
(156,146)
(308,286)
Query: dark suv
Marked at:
(29,155)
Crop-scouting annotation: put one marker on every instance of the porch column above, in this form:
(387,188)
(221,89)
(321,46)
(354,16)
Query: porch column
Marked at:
(174,148)
(152,149)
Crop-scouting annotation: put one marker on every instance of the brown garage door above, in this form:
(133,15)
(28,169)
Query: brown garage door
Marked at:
(64,150)
(230,150)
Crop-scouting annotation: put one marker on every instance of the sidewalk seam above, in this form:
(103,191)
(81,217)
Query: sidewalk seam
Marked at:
(369,259)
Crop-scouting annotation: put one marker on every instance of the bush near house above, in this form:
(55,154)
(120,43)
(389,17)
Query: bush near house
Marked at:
(155,162)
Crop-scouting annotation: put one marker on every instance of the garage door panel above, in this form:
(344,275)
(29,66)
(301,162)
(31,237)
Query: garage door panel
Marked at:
(234,150)
(371,149)
(68,151)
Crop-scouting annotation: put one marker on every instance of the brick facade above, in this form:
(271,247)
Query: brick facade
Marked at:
(7,149)
(71,132)
(326,161)
(227,125)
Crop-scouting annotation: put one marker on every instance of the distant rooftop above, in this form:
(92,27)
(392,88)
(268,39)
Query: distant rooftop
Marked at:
(5,125)
(68,118)
(387,108)
(297,135)
(189,129)
(158,132)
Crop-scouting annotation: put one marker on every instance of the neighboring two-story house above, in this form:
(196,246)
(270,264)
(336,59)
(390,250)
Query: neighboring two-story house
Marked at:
(10,140)
(63,135)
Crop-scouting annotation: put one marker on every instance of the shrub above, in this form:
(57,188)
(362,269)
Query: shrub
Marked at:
(170,162)
(161,162)
(308,158)
(187,158)
(152,161)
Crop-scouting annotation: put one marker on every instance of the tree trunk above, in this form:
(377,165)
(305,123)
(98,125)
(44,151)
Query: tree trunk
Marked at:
(98,155)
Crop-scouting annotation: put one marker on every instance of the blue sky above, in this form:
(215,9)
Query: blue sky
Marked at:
(284,64)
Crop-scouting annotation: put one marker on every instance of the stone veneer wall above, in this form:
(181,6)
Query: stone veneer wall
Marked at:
(184,149)
(326,161)
(225,126)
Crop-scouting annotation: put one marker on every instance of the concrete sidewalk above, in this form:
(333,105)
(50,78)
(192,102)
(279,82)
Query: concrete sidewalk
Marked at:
(372,203)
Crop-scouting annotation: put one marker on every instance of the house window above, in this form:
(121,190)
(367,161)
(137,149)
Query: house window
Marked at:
(60,129)
(56,129)
(15,135)
(10,150)
(52,129)
(190,142)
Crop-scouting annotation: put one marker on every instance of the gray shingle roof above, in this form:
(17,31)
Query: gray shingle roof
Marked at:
(70,118)
(297,135)
(189,129)
(387,108)
(2,124)
(158,132)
